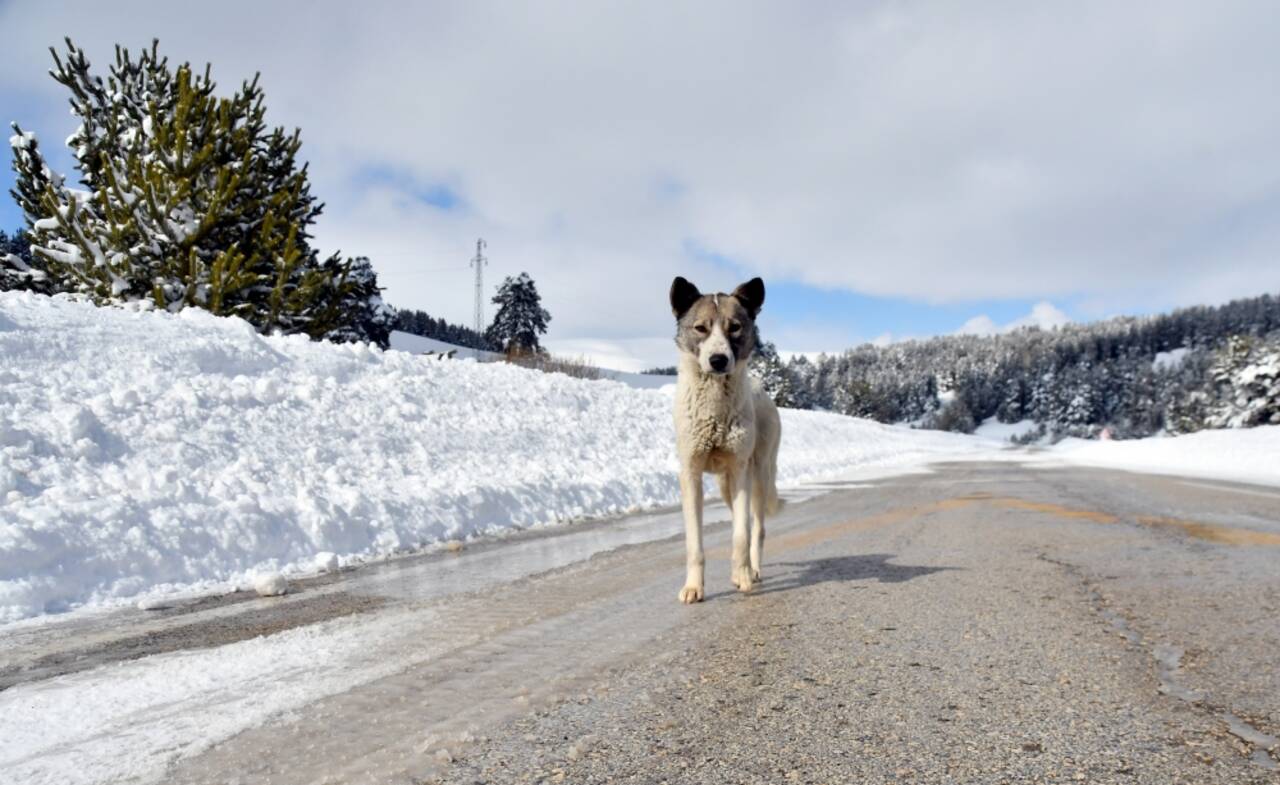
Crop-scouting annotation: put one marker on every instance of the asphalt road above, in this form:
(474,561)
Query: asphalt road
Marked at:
(985,623)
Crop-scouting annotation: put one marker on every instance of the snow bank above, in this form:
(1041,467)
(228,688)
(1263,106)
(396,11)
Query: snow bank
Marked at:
(1239,454)
(993,429)
(143,452)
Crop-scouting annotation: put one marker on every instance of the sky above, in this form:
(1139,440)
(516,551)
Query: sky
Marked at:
(891,169)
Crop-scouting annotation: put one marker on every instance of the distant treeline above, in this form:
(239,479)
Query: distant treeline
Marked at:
(1194,368)
(421,323)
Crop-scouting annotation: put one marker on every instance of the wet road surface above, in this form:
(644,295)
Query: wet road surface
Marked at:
(985,622)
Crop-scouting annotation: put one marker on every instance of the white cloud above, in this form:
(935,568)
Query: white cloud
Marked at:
(979,325)
(1044,315)
(932,150)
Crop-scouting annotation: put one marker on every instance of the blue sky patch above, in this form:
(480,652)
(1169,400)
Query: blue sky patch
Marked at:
(437,195)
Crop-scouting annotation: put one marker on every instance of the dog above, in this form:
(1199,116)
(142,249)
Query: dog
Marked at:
(725,424)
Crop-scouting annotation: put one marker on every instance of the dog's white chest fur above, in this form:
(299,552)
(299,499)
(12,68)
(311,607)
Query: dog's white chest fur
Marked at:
(713,413)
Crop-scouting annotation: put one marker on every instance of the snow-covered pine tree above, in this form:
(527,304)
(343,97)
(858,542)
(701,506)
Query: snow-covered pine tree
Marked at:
(844,401)
(354,295)
(520,318)
(1187,413)
(18,270)
(800,377)
(1139,412)
(768,368)
(1076,402)
(188,200)
(1014,400)
(1245,379)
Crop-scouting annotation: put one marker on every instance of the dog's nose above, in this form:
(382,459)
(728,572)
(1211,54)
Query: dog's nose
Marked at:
(719,362)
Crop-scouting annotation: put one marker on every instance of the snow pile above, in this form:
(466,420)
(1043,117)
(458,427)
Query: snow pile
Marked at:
(1171,360)
(992,428)
(143,451)
(1240,454)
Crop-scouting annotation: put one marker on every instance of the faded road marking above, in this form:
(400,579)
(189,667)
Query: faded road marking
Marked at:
(1218,533)
(1229,535)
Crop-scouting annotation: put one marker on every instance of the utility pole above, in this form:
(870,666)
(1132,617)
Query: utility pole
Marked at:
(479,262)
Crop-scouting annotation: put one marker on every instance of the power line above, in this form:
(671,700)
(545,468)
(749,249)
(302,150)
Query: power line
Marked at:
(436,270)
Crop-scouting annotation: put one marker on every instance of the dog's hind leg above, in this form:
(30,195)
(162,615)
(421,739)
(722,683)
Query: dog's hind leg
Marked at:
(691,503)
(739,483)
(759,503)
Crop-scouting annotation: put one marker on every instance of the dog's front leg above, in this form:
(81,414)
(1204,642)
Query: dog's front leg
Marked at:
(740,489)
(691,503)
(758,505)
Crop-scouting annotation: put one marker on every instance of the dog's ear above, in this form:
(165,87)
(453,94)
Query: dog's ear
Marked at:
(751,295)
(683,296)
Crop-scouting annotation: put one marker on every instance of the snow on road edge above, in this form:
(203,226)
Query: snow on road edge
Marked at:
(1250,455)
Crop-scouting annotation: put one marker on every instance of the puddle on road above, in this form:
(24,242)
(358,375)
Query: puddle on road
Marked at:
(1169,671)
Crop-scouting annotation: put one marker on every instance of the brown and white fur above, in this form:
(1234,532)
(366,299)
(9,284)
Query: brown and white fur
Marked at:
(725,425)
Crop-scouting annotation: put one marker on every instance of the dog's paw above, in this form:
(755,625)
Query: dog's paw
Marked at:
(742,578)
(691,594)
(755,574)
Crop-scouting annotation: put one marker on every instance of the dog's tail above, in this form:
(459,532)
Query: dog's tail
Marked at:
(773,505)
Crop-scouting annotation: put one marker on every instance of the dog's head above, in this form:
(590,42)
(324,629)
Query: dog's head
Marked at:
(718,330)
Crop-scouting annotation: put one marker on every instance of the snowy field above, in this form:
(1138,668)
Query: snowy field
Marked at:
(417,344)
(993,429)
(1244,455)
(143,453)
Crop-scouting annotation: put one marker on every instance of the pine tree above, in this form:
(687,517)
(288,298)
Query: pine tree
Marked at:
(353,295)
(1014,401)
(767,367)
(1245,383)
(18,270)
(1139,411)
(800,376)
(955,416)
(520,318)
(187,200)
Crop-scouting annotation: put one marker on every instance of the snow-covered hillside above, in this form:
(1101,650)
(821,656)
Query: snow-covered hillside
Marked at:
(417,344)
(144,451)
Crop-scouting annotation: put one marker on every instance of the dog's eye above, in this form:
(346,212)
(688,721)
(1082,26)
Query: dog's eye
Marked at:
(734,327)
(701,328)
